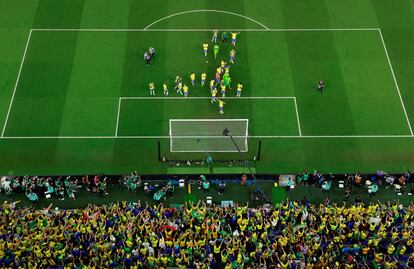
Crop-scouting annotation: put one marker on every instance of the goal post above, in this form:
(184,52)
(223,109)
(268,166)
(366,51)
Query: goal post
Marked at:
(206,135)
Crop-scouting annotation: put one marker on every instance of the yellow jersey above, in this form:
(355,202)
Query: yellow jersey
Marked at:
(223,88)
(234,35)
(214,93)
(239,87)
(192,76)
(205,46)
(221,103)
(203,76)
(151,86)
(391,249)
(185,88)
(212,82)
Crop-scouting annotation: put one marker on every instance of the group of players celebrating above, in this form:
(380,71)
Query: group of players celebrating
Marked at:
(222,79)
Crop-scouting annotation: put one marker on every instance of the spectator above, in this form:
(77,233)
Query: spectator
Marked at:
(32,196)
(222,186)
(289,183)
(402,181)
(103,187)
(389,180)
(358,180)
(135,235)
(206,185)
(305,177)
(243,180)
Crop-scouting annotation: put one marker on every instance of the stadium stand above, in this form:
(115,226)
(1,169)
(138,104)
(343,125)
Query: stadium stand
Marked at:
(133,235)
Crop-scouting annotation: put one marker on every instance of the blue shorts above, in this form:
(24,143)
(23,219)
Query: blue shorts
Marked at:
(233,40)
(238,92)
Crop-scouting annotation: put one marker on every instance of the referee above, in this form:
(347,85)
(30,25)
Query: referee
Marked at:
(321,85)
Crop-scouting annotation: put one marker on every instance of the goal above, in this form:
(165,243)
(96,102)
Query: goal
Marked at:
(206,135)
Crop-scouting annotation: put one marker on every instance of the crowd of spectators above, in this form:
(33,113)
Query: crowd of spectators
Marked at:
(296,234)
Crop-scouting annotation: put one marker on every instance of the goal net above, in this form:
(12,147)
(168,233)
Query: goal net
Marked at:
(206,135)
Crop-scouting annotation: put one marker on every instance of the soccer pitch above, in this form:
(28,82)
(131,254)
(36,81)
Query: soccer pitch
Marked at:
(85,91)
(101,102)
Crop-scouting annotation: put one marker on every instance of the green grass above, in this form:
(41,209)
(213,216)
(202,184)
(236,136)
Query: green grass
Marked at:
(71,82)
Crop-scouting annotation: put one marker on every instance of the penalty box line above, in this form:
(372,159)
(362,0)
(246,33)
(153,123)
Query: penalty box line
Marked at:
(395,82)
(206,98)
(16,84)
(199,30)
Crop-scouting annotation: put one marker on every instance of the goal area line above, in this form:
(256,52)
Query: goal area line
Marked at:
(209,135)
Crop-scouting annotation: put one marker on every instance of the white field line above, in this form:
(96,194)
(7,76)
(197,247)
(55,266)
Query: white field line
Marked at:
(206,10)
(332,136)
(199,30)
(117,116)
(395,82)
(320,29)
(220,151)
(217,120)
(168,137)
(60,137)
(16,84)
(204,97)
(297,117)
(247,135)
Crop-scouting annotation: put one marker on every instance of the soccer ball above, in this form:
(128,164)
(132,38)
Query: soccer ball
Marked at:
(207,62)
